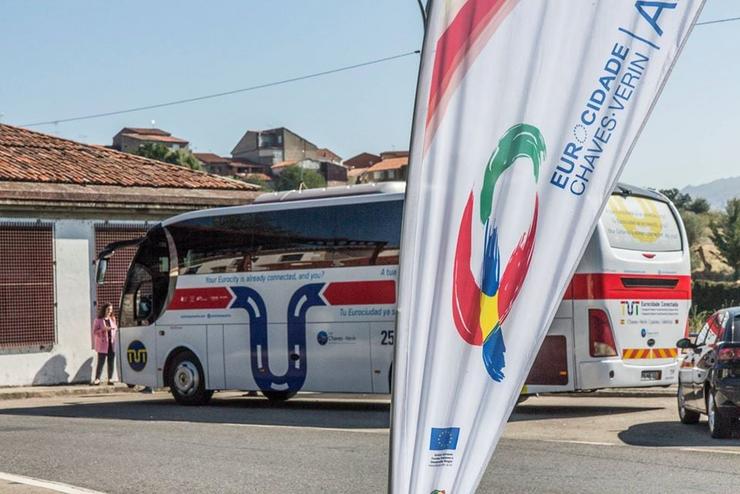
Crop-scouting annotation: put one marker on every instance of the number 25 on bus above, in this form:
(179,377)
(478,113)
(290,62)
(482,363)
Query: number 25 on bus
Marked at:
(297,292)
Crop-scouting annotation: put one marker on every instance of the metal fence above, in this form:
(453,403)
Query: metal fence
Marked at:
(27,297)
(105,233)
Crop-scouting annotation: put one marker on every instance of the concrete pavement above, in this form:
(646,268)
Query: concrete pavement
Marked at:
(25,392)
(330,443)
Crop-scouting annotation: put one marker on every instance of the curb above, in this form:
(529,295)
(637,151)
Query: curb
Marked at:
(623,393)
(54,391)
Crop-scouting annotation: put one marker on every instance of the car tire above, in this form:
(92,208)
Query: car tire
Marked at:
(686,416)
(187,381)
(278,396)
(720,427)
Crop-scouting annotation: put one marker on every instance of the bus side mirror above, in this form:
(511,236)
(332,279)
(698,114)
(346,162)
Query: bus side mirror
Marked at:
(101,269)
(685,343)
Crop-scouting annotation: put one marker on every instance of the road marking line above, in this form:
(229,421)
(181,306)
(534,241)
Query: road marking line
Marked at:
(46,484)
(588,443)
(707,450)
(382,430)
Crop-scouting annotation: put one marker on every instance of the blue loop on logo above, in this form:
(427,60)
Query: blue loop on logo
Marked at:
(322,337)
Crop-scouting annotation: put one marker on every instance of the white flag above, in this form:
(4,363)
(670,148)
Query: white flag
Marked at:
(526,113)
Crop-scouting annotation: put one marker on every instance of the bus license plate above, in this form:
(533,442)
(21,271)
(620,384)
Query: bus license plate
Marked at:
(651,375)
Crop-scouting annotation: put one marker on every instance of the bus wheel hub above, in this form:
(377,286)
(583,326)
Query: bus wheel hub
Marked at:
(187,378)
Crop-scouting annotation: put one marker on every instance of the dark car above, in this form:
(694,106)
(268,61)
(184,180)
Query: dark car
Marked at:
(709,376)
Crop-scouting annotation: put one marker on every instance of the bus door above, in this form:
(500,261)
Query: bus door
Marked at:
(339,357)
(142,301)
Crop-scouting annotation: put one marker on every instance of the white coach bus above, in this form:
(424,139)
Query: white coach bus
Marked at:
(298,292)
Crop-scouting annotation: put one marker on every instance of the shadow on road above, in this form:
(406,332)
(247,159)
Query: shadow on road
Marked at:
(303,412)
(663,434)
(544,412)
(231,410)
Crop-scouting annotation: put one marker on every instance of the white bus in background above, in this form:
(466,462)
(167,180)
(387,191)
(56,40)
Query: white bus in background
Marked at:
(297,292)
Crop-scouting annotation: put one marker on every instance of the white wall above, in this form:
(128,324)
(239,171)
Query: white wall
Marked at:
(71,358)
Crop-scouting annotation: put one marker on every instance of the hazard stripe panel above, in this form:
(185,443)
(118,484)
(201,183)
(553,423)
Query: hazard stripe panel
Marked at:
(649,353)
(621,286)
(361,292)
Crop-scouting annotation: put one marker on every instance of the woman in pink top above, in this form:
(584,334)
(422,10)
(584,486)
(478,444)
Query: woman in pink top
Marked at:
(104,337)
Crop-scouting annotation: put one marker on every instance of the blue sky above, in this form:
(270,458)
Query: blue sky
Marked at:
(65,58)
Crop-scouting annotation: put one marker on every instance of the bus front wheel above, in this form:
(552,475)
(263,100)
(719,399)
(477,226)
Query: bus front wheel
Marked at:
(187,381)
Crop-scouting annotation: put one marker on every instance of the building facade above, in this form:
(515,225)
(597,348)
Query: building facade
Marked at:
(129,139)
(270,147)
(58,209)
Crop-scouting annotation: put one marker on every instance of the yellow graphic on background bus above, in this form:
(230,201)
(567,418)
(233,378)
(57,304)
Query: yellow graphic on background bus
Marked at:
(647,227)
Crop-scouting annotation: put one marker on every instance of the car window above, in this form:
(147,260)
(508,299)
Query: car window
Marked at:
(736,328)
(716,329)
(702,336)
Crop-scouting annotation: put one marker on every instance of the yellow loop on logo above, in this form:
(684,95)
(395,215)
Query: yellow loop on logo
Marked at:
(646,228)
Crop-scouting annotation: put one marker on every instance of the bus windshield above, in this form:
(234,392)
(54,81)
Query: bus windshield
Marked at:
(641,223)
(147,283)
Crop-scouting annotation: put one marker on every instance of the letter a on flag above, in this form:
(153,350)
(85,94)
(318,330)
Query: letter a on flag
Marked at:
(525,115)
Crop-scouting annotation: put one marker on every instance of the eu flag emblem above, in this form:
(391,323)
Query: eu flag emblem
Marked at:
(445,438)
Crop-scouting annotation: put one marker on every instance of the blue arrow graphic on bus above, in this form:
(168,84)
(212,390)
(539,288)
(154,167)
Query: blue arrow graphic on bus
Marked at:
(302,300)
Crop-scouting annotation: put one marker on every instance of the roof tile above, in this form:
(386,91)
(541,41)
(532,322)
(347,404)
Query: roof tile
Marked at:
(27,156)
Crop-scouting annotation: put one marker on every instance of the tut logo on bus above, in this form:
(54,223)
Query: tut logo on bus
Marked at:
(136,355)
(630,308)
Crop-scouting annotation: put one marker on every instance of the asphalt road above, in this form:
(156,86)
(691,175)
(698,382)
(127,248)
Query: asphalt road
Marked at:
(146,443)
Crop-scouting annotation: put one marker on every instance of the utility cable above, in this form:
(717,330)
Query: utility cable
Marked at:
(226,93)
(272,84)
(717,21)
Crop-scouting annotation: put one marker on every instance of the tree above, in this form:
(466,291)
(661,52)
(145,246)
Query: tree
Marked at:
(681,201)
(699,206)
(694,225)
(726,235)
(160,152)
(292,177)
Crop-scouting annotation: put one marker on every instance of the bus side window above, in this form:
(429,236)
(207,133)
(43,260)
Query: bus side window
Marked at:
(361,234)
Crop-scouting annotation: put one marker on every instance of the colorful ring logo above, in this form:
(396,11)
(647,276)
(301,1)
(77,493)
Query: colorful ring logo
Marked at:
(479,311)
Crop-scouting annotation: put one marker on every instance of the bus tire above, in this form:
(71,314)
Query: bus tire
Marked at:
(187,381)
(278,396)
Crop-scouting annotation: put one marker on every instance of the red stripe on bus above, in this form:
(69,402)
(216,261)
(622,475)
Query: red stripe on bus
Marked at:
(610,286)
(201,298)
(361,292)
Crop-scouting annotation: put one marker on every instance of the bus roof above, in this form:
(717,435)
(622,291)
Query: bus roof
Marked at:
(293,199)
(341,191)
(271,200)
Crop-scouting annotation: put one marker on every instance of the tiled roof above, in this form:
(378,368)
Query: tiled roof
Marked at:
(210,158)
(27,156)
(394,154)
(284,164)
(328,153)
(356,172)
(156,138)
(258,176)
(152,131)
(389,164)
(362,160)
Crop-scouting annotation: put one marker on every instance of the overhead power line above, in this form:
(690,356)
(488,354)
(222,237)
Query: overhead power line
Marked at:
(717,21)
(226,93)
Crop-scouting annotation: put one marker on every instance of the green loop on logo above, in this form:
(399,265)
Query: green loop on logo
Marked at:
(520,141)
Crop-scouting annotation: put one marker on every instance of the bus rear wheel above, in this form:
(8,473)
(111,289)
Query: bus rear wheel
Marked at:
(187,381)
(278,396)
